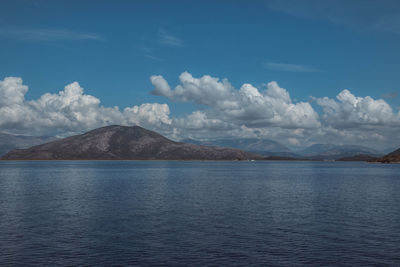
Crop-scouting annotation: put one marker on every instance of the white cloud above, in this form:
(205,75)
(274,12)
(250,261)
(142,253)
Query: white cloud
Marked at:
(246,106)
(350,119)
(12,91)
(69,111)
(226,112)
(271,113)
(162,86)
(350,111)
(152,114)
(199,121)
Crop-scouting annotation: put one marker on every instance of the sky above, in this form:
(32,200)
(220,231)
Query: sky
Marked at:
(297,72)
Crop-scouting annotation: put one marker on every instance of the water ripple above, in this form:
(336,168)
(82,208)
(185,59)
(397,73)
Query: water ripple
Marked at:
(199,213)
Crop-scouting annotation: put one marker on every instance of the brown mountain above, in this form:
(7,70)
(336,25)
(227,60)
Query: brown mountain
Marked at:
(393,157)
(125,143)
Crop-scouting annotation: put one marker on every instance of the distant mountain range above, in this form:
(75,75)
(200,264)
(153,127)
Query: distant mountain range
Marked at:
(9,142)
(125,143)
(265,147)
(334,152)
(359,157)
(122,142)
(275,150)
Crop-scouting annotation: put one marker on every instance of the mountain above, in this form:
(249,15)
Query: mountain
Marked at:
(263,147)
(9,142)
(334,152)
(125,143)
(359,157)
(393,157)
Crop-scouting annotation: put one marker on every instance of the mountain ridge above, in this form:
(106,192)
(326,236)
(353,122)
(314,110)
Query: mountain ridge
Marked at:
(336,152)
(117,142)
(265,147)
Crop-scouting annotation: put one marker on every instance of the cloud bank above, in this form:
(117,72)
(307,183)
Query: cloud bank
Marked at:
(246,106)
(69,111)
(225,112)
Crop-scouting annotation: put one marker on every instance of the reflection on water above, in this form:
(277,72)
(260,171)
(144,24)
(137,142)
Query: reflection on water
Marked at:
(199,213)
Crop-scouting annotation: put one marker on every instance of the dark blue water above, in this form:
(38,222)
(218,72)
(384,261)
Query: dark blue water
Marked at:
(199,213)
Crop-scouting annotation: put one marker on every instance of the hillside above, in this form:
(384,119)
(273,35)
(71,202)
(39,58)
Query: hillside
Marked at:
(125,143)
(393,157)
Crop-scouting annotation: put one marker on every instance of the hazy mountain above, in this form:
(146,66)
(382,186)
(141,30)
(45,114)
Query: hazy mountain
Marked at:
(391,157)
(359,157)
(9,142)
(264,147)
(333,152)
(125,143)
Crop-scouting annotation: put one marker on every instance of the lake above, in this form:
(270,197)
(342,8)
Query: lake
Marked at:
(199,213)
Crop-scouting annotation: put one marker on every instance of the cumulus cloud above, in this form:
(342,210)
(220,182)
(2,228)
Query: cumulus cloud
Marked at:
(351,119)
(350,111)
(69,111)
(246,106)
(12,91)
(225,112)
(271,113)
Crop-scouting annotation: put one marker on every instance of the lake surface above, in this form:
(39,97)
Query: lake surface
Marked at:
(199,213)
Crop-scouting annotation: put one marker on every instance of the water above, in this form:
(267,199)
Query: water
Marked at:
(199,213)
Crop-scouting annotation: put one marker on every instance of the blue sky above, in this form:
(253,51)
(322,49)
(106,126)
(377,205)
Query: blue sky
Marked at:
(313,49)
